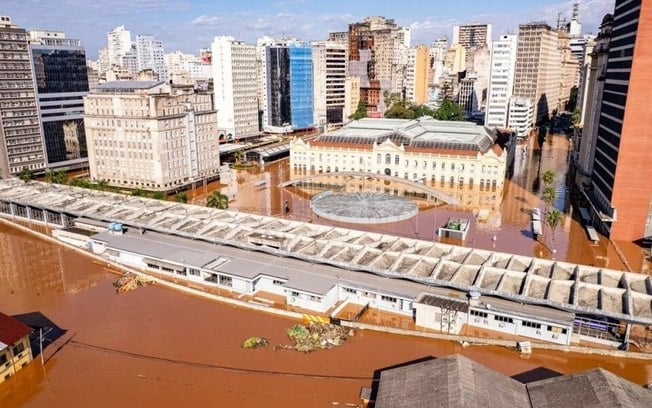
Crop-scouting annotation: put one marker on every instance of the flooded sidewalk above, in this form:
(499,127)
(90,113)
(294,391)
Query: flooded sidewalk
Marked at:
(158,347)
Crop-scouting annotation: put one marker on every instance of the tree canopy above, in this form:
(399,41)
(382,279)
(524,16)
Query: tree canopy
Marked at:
(217,200)
(449,110)
(361,112)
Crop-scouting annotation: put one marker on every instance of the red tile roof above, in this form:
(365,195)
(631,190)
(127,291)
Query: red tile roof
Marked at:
(11,330)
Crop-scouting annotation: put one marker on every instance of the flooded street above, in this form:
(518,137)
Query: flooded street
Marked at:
(159,347)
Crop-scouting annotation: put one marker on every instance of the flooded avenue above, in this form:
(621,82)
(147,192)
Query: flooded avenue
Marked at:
(159,347)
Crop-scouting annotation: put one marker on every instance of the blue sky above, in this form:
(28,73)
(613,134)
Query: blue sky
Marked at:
(188,25)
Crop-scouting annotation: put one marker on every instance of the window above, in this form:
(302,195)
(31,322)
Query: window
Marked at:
(531,324)
(397,159)
(3,358)
(294,294)
(349,290)
(277,282)
(18,348)
(452,166)
(443,166)
(378,159)
(504,319)
(388,158)
(478,313)
(388,299)
(226,280)
(193,271)
(314,298)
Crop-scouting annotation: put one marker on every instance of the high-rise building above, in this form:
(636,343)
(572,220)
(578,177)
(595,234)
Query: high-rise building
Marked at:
(352,95)
(570,72)
(119,43)
(21,144)
(472,35)
(381,46)
(149,135)
(455,59)
(478,66)
(501,81)
(288,86)
(520,118)
(329,81)
(61,76)
(150,55)
(621,191)
(538,67)
(418,75)
(235,81)
(590,100)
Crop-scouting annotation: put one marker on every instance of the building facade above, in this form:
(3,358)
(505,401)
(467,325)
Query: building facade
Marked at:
(435,152)
(235,82)
(289,87)
(329,82)
(151,136)
(151,55)
(621,194)
(520,118)
(472,35)
(15,350)
(61,78)
(118,44)
(590,101)
(501,81)
(21,142)
(538,67)
(418,75)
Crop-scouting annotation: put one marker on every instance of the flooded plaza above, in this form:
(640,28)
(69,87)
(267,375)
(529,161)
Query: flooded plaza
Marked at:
(500,219)
(159,347)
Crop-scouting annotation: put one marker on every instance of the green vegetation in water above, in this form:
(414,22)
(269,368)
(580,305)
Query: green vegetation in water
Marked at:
(255,342)
(316,336)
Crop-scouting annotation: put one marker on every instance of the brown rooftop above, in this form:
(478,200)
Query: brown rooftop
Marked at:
(11,330)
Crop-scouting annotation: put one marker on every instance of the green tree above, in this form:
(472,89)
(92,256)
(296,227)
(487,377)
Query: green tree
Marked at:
(181,197)
(399,110)
(549,196)
(138,192)
(548,177)
(449,110)
(26,174)
(554,218)
(361,112)
(422,110)
(159,195)
(576,117)
(49,176)
(217,200)
(60,177)
(102,184)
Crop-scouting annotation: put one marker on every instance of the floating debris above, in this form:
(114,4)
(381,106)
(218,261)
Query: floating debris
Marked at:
(317,336)
(255,342)
(129,281)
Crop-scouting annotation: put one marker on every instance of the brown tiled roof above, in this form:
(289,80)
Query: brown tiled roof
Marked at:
(11,330)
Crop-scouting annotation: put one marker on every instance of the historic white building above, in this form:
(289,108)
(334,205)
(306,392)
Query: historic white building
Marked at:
(148,135)
(425,149)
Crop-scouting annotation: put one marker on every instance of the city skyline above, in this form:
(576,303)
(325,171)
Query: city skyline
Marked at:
(188,25)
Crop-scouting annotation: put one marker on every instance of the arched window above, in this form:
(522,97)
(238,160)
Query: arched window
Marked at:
(397,159)
(378,158)
(388,158)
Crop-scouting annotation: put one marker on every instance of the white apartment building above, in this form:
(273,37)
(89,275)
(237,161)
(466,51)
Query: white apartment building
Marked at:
(235,81)
(329,82)
(436,152)
(501,81)
(521,116)
(149,135)
(119,43)
(150,55)
(187,65)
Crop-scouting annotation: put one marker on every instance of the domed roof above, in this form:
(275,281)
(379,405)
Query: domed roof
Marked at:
(607,19)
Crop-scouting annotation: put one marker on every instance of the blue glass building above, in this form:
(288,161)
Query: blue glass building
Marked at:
(289,86)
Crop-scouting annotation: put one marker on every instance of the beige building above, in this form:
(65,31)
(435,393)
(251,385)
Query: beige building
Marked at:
(538,67)
(329,82)
(352,96)
(570,69)
(455,60)
(21,144)
(149,135)
(418,74)
(15,351)
(437,153)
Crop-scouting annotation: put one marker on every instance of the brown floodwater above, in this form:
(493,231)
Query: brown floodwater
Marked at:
(159,347)
(508,228)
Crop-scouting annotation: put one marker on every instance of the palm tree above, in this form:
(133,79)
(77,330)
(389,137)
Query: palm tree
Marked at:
(548,177)
(549,196)
(60,177)
(217,200)
(554,218)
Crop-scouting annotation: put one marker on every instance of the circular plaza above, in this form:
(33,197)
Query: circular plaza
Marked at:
(363,208)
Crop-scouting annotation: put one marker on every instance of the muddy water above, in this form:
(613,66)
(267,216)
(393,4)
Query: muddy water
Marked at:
(507,229)
(158,347)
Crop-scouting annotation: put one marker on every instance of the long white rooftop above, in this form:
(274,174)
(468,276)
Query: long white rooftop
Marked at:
(575,288)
